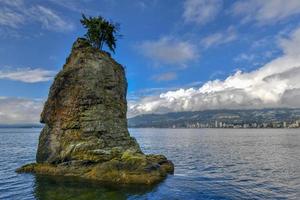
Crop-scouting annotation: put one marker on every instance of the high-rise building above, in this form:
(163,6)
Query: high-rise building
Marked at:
(221,125)
(284,125)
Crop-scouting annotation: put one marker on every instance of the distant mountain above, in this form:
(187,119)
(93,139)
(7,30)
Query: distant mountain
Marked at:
(213,118)
(21,125)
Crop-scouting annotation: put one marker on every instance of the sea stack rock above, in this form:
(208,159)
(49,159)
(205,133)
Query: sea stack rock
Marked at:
(85,132)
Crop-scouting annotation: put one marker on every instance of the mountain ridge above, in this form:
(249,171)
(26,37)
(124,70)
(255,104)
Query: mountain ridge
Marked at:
(210,117)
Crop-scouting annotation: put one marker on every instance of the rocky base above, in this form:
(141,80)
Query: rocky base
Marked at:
(85,133)
(130,168)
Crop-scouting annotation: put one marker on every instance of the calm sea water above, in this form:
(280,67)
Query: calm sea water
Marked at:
(210,164)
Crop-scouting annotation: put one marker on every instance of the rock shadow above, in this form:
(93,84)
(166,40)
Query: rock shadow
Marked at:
(59,187)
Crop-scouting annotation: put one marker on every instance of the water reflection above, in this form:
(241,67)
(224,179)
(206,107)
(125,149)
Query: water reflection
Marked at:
(57,188)
(220,164)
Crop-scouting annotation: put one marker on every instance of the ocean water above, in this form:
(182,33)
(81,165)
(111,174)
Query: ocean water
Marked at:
(209,164)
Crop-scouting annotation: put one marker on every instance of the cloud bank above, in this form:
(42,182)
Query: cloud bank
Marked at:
(17,110)
(276,84)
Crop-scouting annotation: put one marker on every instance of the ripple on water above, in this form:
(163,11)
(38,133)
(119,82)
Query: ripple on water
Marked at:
(209,164)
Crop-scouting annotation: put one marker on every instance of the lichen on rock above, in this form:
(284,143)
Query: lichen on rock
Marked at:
(85,132)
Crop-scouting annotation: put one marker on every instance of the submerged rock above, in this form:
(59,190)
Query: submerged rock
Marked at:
(85,131)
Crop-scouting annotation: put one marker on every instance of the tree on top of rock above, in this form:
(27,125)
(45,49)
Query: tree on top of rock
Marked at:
(100,32)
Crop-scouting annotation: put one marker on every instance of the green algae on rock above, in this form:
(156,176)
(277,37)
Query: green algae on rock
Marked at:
(85,133)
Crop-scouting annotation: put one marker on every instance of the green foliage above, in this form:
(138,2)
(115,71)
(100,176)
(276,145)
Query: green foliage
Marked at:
(100,32)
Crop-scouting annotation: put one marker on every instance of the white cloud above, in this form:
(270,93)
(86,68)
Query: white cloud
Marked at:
(276,84)
(244,57)
(14,3)
(18,110)
(50,20)
(264,12)
(165,77)
(201,11)
(73,5)
(27,75)
(169,50)
(220,38)
(10,18)
(16,14)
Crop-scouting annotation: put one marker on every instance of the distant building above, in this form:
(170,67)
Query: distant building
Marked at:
(294,125)
(254,125)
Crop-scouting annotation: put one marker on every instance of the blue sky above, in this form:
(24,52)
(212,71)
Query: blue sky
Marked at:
(179,55)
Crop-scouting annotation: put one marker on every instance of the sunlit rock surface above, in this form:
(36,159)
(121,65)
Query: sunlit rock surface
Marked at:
(85,131)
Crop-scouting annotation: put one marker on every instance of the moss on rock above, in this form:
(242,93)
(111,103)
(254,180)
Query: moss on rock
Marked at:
(85,133)
(131,168)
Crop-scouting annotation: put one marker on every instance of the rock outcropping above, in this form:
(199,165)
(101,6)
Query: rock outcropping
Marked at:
(85,131)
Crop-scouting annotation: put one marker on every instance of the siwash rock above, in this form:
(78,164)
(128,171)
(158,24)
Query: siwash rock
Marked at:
(85,132)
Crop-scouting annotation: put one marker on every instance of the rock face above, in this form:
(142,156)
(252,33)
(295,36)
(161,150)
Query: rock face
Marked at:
(85,114)
(85,131)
